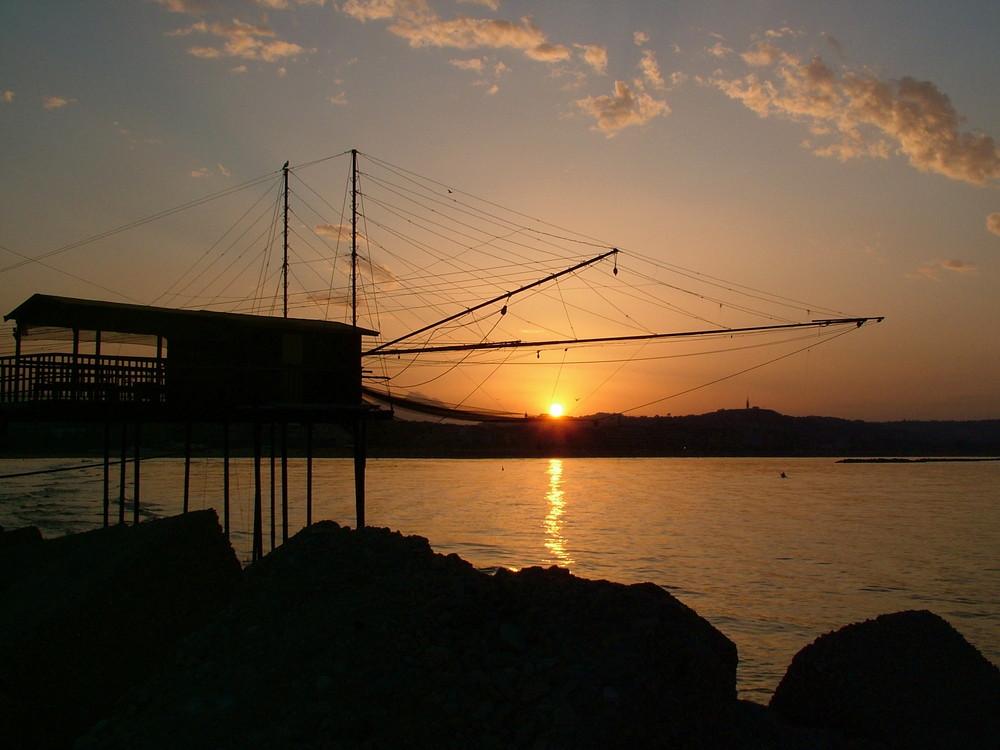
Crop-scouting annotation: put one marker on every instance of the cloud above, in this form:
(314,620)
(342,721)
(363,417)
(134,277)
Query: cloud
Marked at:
(857,114)
(993,223)
(339,231)
(932,269)
(54,102)
(719,49)
(474,63)
(651,70)
(131,141)
(204,172)
(191,7)
(6,96)
(338,99)
(595,56)
(416,22)
(241,40)
(201,7)
(640,38)
(627,107)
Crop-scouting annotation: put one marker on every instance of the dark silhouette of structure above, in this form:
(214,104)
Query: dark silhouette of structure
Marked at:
(205,367)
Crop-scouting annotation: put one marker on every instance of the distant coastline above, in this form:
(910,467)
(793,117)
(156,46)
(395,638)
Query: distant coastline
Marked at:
(912,460)
(728,433)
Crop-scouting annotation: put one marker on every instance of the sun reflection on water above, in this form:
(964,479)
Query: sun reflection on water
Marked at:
(555,542)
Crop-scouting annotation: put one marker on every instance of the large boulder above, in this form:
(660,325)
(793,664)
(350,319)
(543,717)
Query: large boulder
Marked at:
(906,680)
(368,639)
(87,616)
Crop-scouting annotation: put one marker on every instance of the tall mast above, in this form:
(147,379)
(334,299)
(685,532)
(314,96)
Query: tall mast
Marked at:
(354,236)
(284,263)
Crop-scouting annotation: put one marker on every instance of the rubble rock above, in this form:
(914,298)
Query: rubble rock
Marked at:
(87,616)
(368,639)
(906,680)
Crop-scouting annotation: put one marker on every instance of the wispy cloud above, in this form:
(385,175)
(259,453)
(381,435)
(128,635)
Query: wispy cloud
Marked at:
(855,114)
(651,70)
(55,102)
(627,107)
(421,26)
(933,269)
(241,40)
(6,96)
(630,104)
(132,141)
(204,172)
(474,63)
(595,56)
(190,7)
(339,231)
(993,223)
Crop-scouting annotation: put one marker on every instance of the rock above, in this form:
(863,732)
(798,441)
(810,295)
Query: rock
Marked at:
(907,680)
(87,616)
(368,639)
(16,537)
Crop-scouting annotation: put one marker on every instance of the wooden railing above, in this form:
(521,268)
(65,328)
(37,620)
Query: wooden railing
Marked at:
(81,377)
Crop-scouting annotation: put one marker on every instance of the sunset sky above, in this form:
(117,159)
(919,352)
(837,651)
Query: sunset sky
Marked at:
(837,152)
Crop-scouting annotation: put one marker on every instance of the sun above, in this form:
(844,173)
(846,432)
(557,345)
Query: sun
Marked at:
(556,410)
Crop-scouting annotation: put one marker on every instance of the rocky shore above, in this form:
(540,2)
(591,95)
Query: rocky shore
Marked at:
(153,637)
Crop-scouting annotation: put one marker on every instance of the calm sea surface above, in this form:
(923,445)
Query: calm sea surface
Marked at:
(771,562)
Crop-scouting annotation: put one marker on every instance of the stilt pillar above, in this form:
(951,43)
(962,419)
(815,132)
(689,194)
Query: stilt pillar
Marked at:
(360,461)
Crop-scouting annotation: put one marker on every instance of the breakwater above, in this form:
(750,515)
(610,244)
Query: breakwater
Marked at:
(152,636)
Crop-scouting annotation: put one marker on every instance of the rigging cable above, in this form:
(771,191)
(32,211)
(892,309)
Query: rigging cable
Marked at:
(740,372)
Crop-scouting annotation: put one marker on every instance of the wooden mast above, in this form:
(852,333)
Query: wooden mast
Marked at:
(360,438)
(354,237)
(284,262)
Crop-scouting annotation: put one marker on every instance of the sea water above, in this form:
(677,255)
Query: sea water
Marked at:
(771,561)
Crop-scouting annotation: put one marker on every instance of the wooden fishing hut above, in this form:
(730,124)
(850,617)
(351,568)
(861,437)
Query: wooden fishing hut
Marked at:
(201,367)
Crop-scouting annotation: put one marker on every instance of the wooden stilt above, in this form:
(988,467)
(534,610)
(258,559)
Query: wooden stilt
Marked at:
(309,474)
(273,479)
(360,461)
(225,478)
(137,460)
(284,482)
(187,465)
(123,473)
(258,523)
(107,472)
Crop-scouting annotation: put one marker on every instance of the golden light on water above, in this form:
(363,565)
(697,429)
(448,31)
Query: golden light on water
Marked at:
(556,497)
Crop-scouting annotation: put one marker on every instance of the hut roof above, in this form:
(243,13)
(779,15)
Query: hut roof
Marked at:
(51,317)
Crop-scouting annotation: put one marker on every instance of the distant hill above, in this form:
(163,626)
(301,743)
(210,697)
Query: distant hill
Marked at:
(729,432)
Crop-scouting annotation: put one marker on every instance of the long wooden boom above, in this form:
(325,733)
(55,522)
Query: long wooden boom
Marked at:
(610,339)
(382,348)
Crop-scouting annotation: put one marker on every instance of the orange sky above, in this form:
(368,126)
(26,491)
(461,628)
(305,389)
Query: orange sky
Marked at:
(799,153)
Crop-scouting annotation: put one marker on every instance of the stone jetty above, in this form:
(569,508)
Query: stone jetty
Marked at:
(153,637)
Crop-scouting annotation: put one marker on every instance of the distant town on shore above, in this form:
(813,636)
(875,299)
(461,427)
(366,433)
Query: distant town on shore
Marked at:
(752,432)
